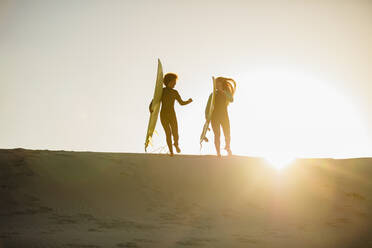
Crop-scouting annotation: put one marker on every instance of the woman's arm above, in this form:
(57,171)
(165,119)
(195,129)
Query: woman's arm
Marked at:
(180,101)
(229,96)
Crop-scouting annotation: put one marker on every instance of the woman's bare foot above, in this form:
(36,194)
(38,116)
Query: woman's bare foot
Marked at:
(229,152)
(177,148)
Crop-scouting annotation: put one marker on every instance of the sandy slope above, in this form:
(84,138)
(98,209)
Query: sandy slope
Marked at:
(83,199)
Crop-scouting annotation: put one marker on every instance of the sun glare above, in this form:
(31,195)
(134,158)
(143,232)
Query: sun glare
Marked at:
(285,111)
(279,161)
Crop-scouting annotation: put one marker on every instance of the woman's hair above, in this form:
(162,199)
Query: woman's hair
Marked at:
(226,84)
(169,77)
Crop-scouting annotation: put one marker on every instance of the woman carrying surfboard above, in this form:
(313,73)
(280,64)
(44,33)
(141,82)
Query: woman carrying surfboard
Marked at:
(168,116)
(224,94)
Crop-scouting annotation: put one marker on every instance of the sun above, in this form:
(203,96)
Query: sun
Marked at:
(279,161)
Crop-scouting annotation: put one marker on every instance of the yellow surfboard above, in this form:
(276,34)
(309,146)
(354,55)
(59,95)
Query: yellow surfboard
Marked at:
(156,102)
(208,114)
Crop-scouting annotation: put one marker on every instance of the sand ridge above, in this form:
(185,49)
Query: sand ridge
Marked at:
(86,199)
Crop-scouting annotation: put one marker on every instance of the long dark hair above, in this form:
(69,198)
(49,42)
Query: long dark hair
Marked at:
(228,84)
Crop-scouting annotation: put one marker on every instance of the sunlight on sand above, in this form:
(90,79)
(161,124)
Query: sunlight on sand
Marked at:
(279,161)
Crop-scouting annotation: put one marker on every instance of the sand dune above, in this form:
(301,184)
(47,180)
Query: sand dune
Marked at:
(85,199)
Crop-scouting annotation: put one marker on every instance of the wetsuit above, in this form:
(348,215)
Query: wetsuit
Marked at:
(168,116)
(220,117)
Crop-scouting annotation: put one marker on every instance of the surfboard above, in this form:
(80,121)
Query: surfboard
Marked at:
(155,106)
(208,114)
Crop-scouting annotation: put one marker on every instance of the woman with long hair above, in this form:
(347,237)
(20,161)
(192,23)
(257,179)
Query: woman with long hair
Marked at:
(224,95)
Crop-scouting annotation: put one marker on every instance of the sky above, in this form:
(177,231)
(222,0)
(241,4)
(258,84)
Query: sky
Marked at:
(79,75)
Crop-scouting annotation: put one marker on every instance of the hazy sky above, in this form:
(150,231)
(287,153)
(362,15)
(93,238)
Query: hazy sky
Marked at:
(79,75)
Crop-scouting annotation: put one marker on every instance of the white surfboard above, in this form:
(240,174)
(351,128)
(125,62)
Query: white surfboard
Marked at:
(156,102)
(208,114)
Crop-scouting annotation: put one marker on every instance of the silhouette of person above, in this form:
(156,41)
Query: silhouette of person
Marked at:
(168,116)
(220,117)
